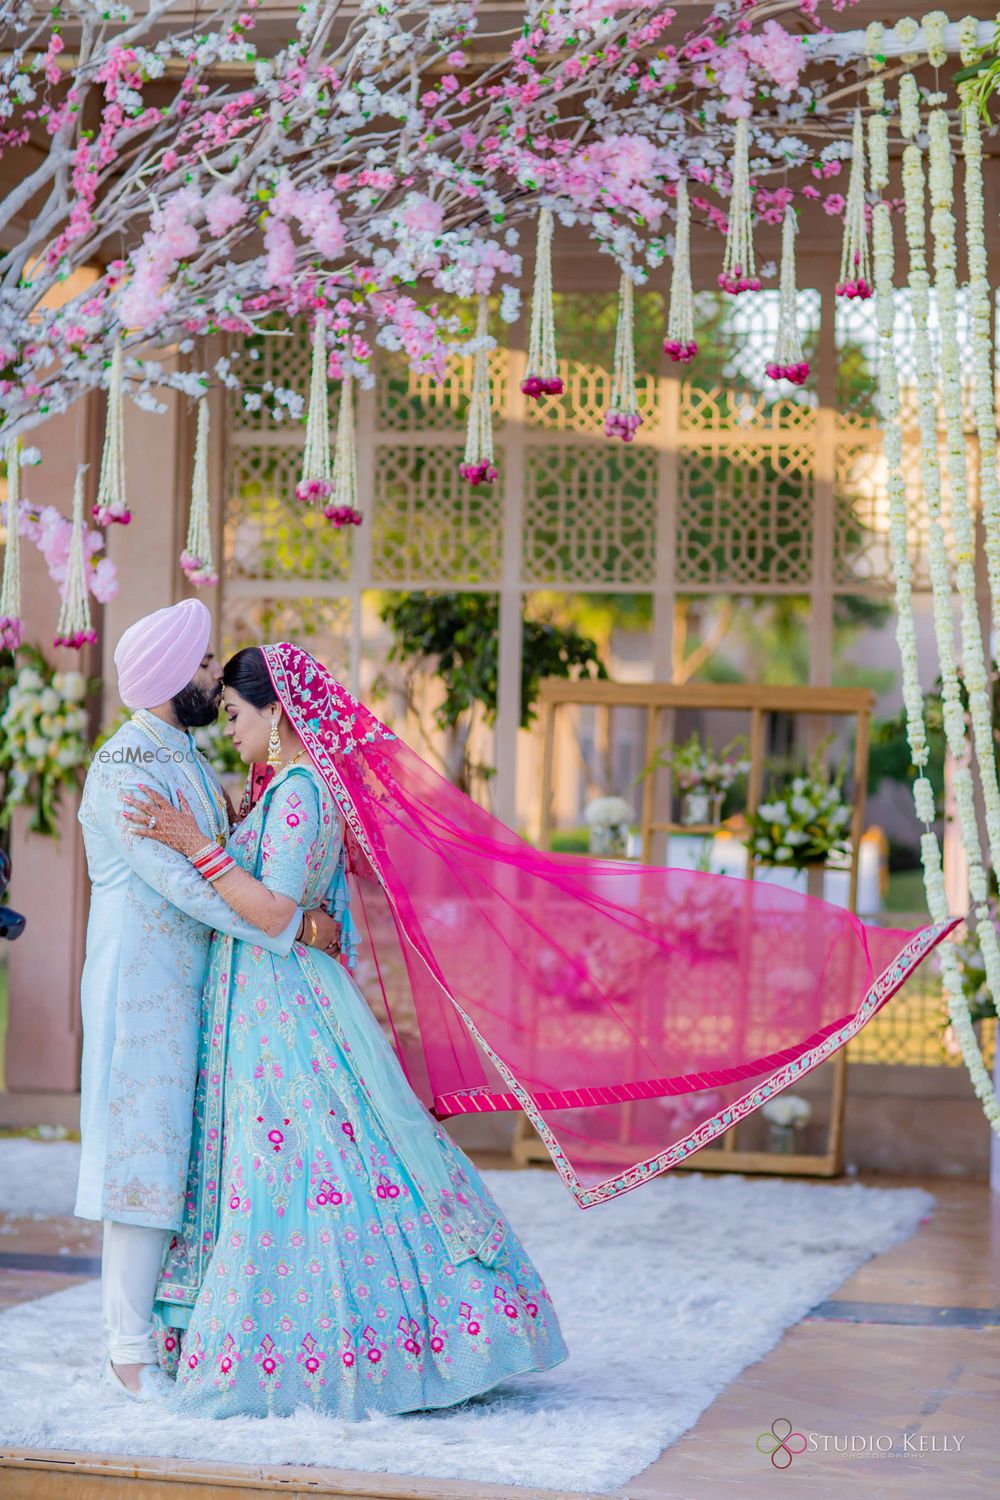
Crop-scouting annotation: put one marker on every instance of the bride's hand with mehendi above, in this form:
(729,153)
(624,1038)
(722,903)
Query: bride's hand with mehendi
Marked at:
(153,817)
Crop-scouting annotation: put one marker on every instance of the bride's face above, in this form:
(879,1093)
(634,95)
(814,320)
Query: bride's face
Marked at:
(249,728)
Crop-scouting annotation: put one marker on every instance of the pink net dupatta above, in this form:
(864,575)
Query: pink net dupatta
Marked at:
(634,1013)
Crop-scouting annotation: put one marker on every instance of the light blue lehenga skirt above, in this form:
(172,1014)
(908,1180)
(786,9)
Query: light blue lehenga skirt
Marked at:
(339,1250)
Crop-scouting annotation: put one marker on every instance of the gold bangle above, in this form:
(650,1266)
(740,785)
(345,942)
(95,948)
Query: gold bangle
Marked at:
(311,939)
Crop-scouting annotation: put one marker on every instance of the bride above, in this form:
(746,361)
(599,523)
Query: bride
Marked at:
(339,1250)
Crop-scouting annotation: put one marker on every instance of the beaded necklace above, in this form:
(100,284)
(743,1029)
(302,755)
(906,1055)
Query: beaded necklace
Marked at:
(218,816)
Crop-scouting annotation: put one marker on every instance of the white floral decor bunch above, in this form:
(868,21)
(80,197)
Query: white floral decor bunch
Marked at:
(43,741)
(788,1110)
(607,812)
(806,825)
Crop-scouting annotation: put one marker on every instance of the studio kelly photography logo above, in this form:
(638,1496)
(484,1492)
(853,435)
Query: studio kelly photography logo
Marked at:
(782,1443)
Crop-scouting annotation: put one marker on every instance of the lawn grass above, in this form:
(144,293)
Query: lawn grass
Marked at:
(906,892)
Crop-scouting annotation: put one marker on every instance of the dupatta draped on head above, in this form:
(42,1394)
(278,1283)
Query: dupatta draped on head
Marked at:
(635,1013)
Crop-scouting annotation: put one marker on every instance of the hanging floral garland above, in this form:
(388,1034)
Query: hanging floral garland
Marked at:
(977,684)
(196,559)
(855,270)
(789,362)
(74,627)
(478,466)
(680,341)
(622,417)
(341,508)
(111,504)
(316,484)
(11,623)
(888,379)
(739,267)
(542,377)
(980,315)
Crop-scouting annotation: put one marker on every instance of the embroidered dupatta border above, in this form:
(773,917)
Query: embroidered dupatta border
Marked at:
(885,986)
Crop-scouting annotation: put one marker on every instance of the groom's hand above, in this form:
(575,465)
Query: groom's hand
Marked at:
(322,931)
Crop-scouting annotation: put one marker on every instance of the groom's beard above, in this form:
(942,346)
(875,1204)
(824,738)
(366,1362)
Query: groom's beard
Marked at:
(195,707)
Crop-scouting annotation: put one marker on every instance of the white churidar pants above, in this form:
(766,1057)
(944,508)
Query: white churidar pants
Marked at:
(130,1269)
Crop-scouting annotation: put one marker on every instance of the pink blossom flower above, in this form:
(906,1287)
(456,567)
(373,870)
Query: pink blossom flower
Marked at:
(222,211)
(422,215)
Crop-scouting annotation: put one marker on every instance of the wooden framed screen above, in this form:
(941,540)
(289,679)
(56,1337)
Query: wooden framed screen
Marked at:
(661,702)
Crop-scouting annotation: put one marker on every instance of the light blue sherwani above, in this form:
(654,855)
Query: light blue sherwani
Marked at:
(151,922)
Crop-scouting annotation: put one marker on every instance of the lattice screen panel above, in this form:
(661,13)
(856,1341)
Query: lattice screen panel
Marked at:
(268,534)
(590,516)
(744,519)
(407,402)
(429,524)
(322,625)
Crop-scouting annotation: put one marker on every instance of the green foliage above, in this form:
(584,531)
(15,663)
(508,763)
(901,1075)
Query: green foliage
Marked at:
(460,634)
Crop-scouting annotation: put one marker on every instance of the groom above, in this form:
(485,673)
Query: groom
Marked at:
(152,918)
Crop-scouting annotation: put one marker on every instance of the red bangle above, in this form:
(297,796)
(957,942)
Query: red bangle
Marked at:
(207,857)
(214,864)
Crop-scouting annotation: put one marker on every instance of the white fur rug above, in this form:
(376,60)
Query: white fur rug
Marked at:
(664,1296)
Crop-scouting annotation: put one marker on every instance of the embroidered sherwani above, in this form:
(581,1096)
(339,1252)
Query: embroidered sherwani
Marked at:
(152,918)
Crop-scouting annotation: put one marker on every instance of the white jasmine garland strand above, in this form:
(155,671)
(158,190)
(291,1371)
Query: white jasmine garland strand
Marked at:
(622,416)
(739,271)
(542,374)
(913,184)
(74,627)
(315,483)
(196,559)
(976,677)
(855,269)
(342,509)
(789,362)
(981,323)
(963,526)
(909,107)
(878,136)
(930,470)
(111,503)
(934,25)
(478,466)
(680,340)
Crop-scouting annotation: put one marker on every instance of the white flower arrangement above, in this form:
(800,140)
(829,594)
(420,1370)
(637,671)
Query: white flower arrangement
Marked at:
(788,1110)
(43,741)
(806,825)
(607,812)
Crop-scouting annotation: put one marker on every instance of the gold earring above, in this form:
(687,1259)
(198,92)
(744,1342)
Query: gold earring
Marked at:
(273,743)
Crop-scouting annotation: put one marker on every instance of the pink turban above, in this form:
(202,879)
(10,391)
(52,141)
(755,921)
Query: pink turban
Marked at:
(159,654)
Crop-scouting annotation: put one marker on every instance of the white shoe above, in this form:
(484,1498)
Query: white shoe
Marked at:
(153,1383)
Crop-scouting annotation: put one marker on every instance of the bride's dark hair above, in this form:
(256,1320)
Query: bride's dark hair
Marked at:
(246,673)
